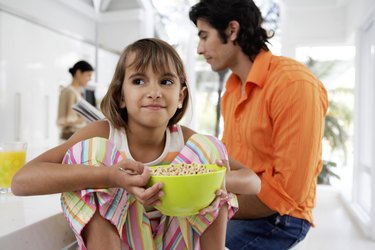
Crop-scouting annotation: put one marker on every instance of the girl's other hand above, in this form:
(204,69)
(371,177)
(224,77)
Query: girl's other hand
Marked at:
(223,163)
(221,195)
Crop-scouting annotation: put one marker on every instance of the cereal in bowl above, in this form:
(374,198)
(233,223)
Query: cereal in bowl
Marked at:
(181,169)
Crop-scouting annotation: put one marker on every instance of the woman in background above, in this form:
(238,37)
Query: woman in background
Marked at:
(68,120)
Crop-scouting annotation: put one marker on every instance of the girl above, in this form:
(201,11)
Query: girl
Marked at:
(148,95)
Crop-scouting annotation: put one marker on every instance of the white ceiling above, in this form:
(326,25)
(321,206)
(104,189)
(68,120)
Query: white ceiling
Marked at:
(305,4)
(301,26)
(105,6)
(101,6)
(118,5)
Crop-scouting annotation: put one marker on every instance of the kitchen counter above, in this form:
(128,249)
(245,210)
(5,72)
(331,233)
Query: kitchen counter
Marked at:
(33,222)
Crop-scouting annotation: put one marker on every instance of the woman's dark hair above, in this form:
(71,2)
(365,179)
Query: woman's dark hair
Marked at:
(218,13)
(81,66)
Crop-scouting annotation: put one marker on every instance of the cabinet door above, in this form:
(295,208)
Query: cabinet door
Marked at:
(34,65)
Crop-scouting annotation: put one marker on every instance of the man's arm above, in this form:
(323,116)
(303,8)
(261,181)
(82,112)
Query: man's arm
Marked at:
(250,207)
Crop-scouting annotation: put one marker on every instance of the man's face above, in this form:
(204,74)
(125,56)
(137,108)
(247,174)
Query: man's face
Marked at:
(218,54)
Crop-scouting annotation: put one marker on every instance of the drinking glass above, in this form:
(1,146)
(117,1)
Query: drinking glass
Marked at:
(12,158)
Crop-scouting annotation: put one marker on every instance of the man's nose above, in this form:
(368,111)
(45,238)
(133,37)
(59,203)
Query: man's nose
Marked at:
(200,49)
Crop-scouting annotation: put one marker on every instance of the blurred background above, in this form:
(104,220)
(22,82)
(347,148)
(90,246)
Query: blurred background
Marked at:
(41,39)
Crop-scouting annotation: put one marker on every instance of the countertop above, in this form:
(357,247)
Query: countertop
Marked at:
(33,222)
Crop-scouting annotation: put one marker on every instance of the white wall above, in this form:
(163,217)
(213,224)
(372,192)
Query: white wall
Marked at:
(362,203)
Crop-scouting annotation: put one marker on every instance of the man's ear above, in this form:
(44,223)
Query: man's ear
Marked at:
(232,30)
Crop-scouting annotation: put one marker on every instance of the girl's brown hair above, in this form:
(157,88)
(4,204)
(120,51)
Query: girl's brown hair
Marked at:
(148,52)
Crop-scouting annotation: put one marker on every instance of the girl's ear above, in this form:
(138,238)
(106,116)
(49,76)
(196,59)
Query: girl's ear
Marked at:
(122,102)
(182,96)
(232,30)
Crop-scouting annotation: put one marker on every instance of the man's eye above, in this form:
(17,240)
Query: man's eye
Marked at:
(167,82)
(138,81)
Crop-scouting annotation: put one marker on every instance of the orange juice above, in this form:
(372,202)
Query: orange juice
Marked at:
(10,163)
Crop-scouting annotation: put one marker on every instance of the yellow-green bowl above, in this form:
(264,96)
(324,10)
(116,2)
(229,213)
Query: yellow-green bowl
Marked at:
(186,195)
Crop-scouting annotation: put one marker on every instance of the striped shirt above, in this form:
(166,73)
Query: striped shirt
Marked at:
(140,227)
(275,128)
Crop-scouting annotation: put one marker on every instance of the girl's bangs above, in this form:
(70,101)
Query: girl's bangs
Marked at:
(145,57)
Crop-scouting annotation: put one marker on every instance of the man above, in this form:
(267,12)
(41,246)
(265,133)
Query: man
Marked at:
(273,110)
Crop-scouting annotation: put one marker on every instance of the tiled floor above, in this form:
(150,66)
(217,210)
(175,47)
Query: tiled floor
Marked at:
(334,228)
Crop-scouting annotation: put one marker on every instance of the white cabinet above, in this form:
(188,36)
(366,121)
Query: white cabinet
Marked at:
(34,63)
(34,222)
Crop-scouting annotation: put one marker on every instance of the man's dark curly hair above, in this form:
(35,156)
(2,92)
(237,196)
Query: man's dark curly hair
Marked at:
(218,13)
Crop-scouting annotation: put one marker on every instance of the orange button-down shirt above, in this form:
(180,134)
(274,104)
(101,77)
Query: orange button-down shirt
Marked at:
(276,128)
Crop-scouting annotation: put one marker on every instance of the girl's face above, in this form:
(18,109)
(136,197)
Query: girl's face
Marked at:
(151,98)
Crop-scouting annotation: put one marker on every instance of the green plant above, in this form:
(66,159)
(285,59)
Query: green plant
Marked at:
(338,118)
(327,173)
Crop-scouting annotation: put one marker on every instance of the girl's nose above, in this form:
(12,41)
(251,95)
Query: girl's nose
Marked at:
(154,91)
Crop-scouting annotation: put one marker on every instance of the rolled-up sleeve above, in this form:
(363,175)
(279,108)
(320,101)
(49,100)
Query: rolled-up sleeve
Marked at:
(298,123)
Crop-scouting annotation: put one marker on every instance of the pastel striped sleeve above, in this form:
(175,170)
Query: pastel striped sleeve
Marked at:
(79,206)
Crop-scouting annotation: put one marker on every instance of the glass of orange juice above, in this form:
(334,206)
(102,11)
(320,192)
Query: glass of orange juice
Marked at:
(12,158)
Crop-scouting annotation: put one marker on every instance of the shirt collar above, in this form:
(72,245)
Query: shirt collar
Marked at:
(257,74)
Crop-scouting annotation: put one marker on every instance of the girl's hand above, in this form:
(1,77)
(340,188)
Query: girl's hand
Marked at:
(221,194)
(133,176)
(150,196)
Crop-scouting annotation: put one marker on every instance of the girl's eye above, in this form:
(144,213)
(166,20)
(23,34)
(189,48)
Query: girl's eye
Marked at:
(167,82)
(138,81)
